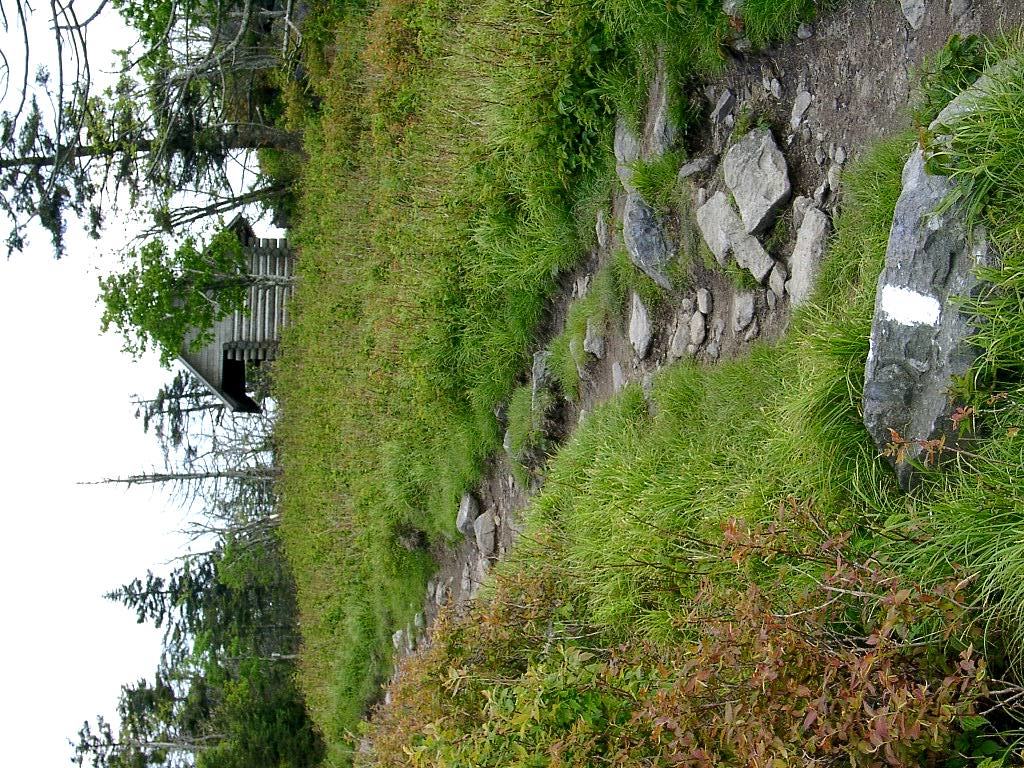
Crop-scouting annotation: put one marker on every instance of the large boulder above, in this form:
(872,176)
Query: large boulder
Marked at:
(645,240)
(756,173)
(728,239)
(918,334)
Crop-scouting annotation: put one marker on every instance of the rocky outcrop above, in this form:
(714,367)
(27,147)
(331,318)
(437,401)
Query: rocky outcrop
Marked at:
(756,173)
(918,334)
(645,240)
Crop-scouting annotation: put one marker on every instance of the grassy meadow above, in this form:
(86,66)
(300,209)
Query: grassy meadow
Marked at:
(457,156)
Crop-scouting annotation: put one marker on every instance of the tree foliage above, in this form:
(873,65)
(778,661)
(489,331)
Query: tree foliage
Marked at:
(163,299)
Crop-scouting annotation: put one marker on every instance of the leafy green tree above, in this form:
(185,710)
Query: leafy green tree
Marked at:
(164,299)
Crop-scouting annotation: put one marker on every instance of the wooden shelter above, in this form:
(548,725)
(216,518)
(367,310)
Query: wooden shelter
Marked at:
(252,335)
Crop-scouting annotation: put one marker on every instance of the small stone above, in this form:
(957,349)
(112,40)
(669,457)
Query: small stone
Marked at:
(469,509)
(958,8)
(800,206)
(808,254)
(834,178)
(645,240)
(777,281)
(752,331)
(704,301)
(601,229)
(698,329)
(743,311)
(729,122)
(800,105)
(680,339)
(686,306)
(485,530)
(805,31)
(840,157)
(712,351)
(821,194)
(639,327)
(441,595)
(593,342)
(723,106)
(701,164)
(776,88)
(618,377)
(819,155)
(627,151)
(913,12)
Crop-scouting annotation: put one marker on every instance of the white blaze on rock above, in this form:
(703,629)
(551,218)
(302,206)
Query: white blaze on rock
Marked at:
(907,307)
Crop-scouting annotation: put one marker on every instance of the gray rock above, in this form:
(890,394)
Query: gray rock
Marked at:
(627,151)
(485,530)
(593,342)
(698,329)
(660,132)
(581,286)
(601,229)
(918,334)
(819,155)
(712,351)
(618,377)
(805,31)
(723,106)
(742,311)
(777,282)
(700,196)
(645,240)
(467,580)
(772,301)
(752,331)
(732,7)
(680,339)
(800,105)
(728,239)
(639,327)
(840,155)
(821,194)
(958,8)
(776,88)
(701,164)
(418,621)
(441,594)
(686,306)
(800,206)
(469,510)
(834,178)
(913,12)
(704,301)
(756,173)
(398,639)
(808,253)
(541,376)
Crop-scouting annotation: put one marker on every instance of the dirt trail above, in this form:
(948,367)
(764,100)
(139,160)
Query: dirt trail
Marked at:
(857,65)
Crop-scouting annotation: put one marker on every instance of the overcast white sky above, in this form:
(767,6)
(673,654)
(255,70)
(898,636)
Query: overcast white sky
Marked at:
(66,416)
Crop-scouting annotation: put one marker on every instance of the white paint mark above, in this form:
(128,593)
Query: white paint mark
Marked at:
(908,307)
